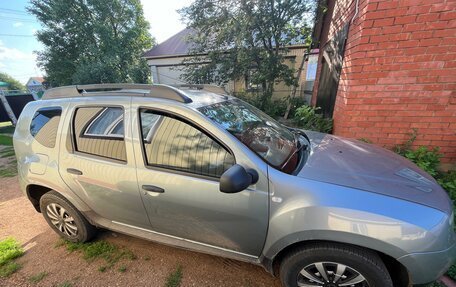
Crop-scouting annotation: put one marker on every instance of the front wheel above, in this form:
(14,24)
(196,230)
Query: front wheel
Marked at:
(65,219)
(333,265)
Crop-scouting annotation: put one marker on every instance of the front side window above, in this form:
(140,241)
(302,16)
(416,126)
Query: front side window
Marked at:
(272,141)
(44,126)
(174,144)
(99,131)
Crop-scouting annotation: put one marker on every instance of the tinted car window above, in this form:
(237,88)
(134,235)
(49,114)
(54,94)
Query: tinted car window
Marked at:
(265,136)
(44,126)
(100,131)
(109,122)
(174,144)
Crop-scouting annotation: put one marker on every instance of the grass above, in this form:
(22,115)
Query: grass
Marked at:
(65,284)
(122,268)
(174,279)
(9,250)
(38,277)
(110,253)
(7,152)
(6,128)
(9,169)
(9,268)
(102,268)
(6,140)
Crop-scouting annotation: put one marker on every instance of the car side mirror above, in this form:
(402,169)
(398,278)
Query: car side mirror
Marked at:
(237,178)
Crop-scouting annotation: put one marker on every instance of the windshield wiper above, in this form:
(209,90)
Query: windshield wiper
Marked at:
(299,132)
(298,149)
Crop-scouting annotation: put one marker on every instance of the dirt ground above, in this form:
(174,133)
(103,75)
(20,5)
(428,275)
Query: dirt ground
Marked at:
(153,265)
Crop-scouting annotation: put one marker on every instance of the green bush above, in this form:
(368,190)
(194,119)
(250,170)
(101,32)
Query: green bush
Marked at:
(407,145)
(275,108)
(306,117)
(448,182)
(427,159)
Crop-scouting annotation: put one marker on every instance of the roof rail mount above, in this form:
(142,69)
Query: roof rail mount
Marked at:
(209,88)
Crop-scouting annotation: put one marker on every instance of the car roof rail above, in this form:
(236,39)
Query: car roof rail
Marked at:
(155,91)
(205,87)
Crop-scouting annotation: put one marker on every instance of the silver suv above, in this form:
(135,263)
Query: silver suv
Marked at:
(195,168)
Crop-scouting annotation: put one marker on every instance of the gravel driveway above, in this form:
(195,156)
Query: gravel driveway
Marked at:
(153,265)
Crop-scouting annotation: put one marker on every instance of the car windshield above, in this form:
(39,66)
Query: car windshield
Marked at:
(272,141)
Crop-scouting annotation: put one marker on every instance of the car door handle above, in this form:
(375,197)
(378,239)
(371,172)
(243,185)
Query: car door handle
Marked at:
(74,171)
(153,188)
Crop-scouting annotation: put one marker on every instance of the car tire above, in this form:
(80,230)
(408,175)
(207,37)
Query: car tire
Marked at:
(65,219)
(304,264)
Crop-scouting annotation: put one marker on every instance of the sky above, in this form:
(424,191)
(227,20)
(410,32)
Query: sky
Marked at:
(17,29)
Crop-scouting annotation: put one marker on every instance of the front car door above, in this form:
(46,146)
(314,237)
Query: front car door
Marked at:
(97,161)
(180,157)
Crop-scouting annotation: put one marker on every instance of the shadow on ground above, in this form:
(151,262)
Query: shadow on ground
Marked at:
(153,264)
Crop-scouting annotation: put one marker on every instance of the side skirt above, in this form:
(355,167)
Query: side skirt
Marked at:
(172,241)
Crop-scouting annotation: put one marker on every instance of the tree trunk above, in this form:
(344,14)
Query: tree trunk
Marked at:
(293,90)
(268,90)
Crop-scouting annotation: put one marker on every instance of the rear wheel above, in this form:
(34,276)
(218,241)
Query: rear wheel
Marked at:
(333,265)
(65,219)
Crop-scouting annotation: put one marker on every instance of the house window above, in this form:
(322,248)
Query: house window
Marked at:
(249,83)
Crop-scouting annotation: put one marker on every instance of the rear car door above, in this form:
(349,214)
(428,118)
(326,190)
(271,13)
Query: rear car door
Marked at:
(97,162)
(179,168)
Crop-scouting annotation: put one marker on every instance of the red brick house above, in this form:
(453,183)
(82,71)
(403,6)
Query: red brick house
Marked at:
(388,67)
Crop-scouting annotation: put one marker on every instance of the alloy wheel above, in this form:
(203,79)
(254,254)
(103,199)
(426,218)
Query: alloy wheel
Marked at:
(60,218)
(330,274)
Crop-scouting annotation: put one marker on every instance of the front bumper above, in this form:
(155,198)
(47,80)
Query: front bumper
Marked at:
(428,266)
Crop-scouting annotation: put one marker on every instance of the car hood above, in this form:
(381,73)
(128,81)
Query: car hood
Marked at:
(364,166)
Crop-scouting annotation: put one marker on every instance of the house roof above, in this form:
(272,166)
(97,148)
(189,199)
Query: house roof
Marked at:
(35,81)
(38,79)
(177,45)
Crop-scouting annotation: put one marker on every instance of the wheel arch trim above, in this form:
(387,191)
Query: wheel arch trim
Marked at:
(270,256)
(42,188)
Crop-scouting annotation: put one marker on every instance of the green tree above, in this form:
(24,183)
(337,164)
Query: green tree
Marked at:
(245,38)
(92,41)
(13,83)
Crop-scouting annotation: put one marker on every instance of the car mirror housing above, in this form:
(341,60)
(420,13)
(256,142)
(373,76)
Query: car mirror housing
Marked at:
(237,178)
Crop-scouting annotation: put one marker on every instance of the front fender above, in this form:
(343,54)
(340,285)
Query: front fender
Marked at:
(305,210)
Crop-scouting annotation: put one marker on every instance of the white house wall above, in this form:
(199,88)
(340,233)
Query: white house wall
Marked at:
(166,70)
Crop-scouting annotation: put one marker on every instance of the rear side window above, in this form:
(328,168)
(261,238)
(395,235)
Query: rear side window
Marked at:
(109,123)
(99,131)
(44,126)
(174,144)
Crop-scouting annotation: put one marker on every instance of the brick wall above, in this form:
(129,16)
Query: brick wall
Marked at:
(399,72)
